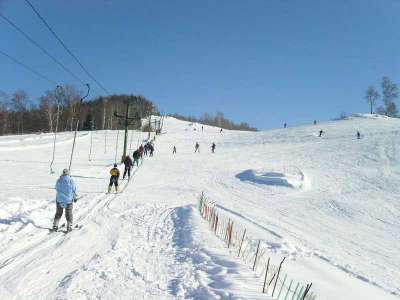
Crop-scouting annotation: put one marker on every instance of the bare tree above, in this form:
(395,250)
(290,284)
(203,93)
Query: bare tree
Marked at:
(71,99)
(372,96)
(19,103)
(3,112)
(48,106)
(390,92)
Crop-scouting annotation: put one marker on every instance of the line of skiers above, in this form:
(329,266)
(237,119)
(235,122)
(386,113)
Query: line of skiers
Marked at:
(196,148)
(147,149)
(66,187)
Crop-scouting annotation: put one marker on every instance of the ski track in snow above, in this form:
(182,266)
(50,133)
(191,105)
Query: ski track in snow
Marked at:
(298,193)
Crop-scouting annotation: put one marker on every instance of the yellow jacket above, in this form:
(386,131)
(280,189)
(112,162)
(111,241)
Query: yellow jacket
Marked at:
(114,172)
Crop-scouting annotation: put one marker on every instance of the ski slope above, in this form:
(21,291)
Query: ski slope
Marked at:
(330,204)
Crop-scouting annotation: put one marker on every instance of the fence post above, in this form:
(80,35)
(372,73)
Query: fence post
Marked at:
(283,283)
(241,242)
(287,293)
(295,290)
(266,274)
(300,293)
(227,230)
(230,235)
(307,290)
(255,259)
(279,270)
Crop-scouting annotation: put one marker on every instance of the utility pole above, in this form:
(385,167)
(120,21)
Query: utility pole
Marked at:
(127,121)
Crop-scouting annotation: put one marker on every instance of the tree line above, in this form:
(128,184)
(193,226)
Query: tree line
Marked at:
(21,114)
(218,120)
(389,94)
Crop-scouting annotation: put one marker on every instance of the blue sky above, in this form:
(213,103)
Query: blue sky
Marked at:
(265,62)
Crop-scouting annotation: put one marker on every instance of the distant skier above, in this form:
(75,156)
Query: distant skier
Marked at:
(136,156)
(174,150)
(151,149)
(114,172)
(66,195)
(321,132)
(202,128)
(358,135)
(315,122)
(213,148)
(284,125)
(196,147)
(141,150)
(128,166)
(220,131)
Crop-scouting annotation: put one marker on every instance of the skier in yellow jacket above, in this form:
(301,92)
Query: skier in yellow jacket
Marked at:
(114,172)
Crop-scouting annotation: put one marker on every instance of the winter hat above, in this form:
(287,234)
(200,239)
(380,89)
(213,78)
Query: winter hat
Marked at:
(115,165)
(65,172)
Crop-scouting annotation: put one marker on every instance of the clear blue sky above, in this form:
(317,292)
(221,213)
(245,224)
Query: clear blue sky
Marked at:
(261,61)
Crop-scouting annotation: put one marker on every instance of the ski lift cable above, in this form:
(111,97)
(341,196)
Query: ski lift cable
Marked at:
(30,69)
(65,47)
(41,48)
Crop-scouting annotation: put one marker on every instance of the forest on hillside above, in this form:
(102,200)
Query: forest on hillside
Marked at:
(61,109)
(21,114)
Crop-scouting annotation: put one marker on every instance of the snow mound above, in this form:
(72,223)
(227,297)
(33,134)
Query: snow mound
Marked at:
(288,178)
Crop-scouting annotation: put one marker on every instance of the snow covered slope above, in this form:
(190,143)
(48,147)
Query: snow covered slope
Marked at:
(329,203)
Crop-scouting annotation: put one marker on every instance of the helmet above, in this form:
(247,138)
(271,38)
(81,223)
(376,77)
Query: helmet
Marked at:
(115,165)
(65,172)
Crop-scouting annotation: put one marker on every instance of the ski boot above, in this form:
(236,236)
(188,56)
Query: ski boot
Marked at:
(116,189)
(55,225)
(109,189)
(69,227)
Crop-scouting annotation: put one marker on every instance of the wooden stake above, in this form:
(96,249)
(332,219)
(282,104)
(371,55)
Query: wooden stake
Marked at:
(241,243)
(265,278)
(287,293)
(279,270)
(255,259)
(230,235)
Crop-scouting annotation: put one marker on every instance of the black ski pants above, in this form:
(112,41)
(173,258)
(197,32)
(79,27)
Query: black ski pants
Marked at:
(68,213)
(127,170)
(113,181)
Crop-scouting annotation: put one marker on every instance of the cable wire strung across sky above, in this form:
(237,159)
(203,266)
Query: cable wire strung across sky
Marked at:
(66,48)
(28,68)
(41,48)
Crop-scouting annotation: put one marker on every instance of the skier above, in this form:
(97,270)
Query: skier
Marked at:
(315,122)
(213,148)
(174,150)
(141,150)
(66,195)
(358,135)
(202,128)
(196,147)
(114,172)
(220,131)
(284,125)
(151,149)
(128,166)
(136,156)
(321,132)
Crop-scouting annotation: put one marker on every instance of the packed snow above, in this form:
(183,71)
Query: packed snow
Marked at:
(329,204)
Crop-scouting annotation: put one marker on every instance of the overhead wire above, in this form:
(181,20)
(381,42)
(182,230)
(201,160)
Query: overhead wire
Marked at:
(28,68)
(65,47)
(41,48)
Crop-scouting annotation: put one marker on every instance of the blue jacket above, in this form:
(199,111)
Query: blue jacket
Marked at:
(66,190)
